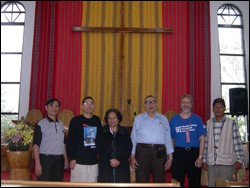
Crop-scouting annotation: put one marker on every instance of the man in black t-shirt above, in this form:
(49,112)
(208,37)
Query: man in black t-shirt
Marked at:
(81,145)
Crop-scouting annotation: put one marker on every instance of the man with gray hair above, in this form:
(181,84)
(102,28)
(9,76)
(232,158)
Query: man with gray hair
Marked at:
(152,144)
(187,131)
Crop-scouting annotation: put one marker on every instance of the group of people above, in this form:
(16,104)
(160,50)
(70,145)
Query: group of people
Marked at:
(97,153)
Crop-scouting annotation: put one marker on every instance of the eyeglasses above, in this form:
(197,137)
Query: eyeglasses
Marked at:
(150,102)
(88,103)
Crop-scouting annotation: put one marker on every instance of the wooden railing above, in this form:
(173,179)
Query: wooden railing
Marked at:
(19,183)
(225,183)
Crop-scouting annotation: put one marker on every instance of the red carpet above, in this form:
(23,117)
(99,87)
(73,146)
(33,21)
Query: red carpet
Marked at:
(5,175)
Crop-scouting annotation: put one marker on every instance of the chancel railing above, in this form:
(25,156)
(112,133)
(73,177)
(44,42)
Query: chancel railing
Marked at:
(15,183)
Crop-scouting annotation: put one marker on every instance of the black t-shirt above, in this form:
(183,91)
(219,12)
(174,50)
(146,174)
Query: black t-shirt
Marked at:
(82,136)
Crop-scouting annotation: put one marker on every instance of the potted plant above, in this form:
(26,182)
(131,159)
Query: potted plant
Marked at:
(19,139)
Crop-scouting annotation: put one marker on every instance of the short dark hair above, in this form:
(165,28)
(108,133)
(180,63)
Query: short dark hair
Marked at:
(88,97)
(219,100)
(52,100)
(116,111)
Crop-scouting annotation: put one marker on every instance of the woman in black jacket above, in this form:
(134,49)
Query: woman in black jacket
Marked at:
(114,148)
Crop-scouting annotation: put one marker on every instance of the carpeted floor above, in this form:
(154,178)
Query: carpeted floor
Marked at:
(5,175)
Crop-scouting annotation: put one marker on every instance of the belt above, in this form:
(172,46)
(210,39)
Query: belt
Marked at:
(150,145)
(55,156)
(186,148)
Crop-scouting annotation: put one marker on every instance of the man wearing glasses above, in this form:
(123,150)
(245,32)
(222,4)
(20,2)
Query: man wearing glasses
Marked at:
(81,146)
(152,144)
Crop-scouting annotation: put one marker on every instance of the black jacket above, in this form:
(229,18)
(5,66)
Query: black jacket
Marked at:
(118,147)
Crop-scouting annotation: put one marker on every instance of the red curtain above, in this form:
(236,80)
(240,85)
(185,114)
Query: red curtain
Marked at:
(56,63)
(186,55)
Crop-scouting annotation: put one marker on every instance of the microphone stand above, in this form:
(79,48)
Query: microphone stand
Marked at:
(134,109)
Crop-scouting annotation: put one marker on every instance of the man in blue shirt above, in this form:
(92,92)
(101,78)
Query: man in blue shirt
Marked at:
(152,145)
(187,131)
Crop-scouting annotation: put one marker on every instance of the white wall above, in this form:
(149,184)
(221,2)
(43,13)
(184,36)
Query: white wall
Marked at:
(27,57)
(215,60)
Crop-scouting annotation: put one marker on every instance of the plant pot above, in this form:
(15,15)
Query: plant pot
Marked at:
(4,161)
(19,164)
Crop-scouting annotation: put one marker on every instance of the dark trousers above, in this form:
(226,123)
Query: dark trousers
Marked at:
(149,162)
(52,168)
(184,163)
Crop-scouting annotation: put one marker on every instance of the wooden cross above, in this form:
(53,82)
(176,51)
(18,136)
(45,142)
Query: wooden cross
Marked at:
(122,30)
